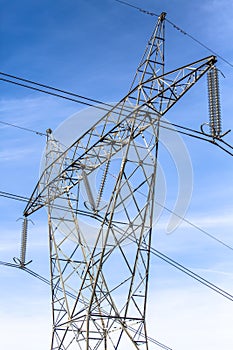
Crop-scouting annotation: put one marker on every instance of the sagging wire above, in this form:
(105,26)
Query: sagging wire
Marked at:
(179,30)
(71,295)
(23,128)
(176,264)
(161,256)
(57,92)
(195,226)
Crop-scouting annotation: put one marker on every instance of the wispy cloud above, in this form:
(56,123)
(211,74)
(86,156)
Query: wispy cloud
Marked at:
(15,154)
(179,315)
(27,327)
(28,111)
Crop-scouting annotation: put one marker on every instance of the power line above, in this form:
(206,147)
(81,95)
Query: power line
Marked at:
(103,106)
(26,199)
(191,274)
(138,8)
(52,88)
(179,29)
(161,256)
(157,253)
(23,128)
(186,131)
(125,109)
(45,280)
(195,226)
(199,42)
(46,92)
(56,206)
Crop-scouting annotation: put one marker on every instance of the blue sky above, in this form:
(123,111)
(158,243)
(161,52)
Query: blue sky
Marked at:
(93,48)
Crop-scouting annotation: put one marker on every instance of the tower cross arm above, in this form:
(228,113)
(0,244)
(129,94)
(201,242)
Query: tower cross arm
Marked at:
(161,92)
(108,136)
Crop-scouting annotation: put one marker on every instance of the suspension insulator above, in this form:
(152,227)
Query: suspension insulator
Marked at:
(218,123)
(88,190)
(103,181)
(24,241)
(214,103)
(211,103)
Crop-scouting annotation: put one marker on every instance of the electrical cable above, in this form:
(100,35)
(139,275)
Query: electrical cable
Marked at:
(71,295)
(94,100)
(154,251)
(195,226)
(190,273)
(138,8)
(199,42)
(22,128)
(196,134)
(26,199)
(161,256)
(179,29)
(55,206)
(53,88)
(46,92)
(58,92)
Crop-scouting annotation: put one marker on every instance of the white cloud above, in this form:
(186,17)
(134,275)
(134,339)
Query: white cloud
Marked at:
(214,221)
(27,327)
(37,113)
(191,318)
(16,154)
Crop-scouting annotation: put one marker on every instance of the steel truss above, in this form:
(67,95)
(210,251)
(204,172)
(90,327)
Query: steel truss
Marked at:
(100,243)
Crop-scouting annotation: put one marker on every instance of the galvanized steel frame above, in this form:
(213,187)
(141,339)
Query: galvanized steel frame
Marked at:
(109,311)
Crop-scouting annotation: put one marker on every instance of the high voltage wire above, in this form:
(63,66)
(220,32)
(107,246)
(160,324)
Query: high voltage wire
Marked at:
(137,8)
(155,252)
(45,280)
(192,274)
(57,92)
(102,108)
(125,109)
(161,256)
(179,29)
(26,199)
(195,226)
(184,131)
(46,92)
(57,206)
(23,128)
(106,107)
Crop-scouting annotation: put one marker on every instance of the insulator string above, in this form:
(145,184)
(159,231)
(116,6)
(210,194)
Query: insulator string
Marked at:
(103,181)
(88,190)
(24,241)
(218,124)
(215,123)
(211,103)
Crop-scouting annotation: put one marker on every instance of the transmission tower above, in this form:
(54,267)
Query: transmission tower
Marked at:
(99,193)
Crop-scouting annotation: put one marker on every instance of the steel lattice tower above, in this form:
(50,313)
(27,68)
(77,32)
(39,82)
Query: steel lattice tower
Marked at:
(100,235)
